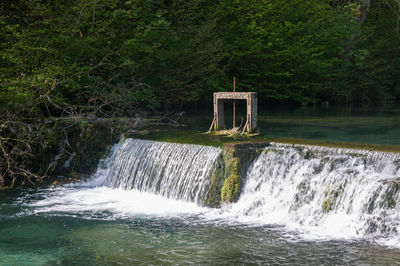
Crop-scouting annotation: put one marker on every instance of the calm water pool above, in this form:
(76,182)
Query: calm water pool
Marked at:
(372,125)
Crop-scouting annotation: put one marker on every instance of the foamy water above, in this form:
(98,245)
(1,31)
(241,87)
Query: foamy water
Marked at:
(312,192)
(120,203)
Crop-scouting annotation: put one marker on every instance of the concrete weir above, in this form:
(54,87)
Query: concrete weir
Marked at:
(251,117)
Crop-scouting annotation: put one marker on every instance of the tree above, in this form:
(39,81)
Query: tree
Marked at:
(286,50)
(376,57)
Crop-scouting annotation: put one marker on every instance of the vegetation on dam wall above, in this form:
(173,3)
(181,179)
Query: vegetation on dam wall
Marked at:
(230,172)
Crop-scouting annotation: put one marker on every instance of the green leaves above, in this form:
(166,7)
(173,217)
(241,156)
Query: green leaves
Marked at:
(375,65)
(181,51)
(285,49)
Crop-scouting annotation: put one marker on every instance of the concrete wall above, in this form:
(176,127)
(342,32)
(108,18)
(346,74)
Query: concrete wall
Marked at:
(251,99)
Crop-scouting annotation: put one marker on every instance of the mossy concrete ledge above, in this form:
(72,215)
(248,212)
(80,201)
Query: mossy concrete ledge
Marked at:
(77,147)
(230,172)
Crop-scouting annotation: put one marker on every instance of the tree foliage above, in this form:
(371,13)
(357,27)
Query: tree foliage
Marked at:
(113,54)
(119,58)
(375,68)
(287,50)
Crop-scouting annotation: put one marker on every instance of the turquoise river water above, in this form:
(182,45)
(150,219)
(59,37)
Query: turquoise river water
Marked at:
(293,211)
(372,125)
(84,225)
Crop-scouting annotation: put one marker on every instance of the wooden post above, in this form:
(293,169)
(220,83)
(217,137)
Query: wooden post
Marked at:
(218,113)
(212,124)
(234,103)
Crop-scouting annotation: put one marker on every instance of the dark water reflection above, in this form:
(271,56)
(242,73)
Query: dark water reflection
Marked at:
(372,125)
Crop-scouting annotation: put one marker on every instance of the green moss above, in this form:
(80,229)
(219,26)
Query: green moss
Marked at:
(326,193)
(213,197)
(237,158)
(335,194)
(336,144)
(331,195)
(230,189)
(186,136)
(266,151)
(231,167)
(352,154)
(388,200)
(326,205)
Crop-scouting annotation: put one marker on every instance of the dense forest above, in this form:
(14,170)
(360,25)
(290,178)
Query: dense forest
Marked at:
(124,58)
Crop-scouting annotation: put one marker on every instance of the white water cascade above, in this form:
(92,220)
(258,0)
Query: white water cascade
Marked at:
(316,192)
(176,171)
(323,192)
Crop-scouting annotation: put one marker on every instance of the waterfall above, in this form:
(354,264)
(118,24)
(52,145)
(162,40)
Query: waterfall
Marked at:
(177,171)
(324,191)
(317,190)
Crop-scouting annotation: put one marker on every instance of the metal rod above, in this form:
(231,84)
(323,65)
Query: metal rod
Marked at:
(234,103)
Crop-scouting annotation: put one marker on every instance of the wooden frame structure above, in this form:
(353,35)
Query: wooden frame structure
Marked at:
(251,117)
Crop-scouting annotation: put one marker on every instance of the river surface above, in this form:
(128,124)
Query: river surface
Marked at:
(370,125)
(300,206)
(83,224)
